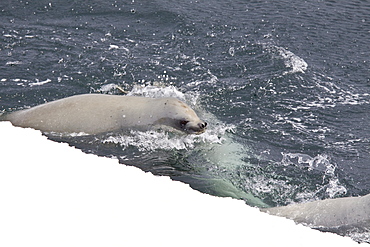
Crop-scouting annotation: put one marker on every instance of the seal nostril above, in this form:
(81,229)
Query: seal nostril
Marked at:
(202,125)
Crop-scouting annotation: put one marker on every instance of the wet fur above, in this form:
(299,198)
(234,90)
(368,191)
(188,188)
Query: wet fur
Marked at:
(98,113)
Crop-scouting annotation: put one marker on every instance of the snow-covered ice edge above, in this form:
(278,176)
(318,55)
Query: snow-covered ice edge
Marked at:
(55,195)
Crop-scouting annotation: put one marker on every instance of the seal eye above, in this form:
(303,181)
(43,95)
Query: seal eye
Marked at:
(183,123)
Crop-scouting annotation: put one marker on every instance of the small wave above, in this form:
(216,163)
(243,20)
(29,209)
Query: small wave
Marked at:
(12,63)
(107,88)
(153,90)
(153,140)
(150,141)
(287,185)
(39,83)
(291,61)
(116,47)
(319,163)
(156,91)
(329,94)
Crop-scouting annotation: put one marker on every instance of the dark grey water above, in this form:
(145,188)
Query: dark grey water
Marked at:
(283,85)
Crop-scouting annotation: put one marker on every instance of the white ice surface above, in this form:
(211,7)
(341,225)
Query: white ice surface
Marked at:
(55,195)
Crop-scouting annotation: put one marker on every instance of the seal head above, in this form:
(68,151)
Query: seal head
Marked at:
(193,127)
(180,116)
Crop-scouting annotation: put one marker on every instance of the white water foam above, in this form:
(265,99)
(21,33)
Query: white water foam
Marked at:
(153,91)
(107,88)
(152,140)
(12,63)
(39,83)
(319,163)
(291,61)
(23,82)
(330,94)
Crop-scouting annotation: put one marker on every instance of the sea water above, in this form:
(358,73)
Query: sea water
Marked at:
(283,86)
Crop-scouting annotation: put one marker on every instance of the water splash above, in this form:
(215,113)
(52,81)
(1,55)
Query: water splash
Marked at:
(156,91)
(319,163)
(291,61)
(153,140)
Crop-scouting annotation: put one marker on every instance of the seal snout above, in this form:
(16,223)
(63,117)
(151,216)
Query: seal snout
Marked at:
(196,128)
(202,125)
